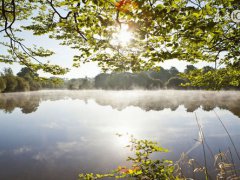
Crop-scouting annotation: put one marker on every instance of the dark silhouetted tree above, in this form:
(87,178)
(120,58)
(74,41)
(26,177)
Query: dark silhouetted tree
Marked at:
(175,83)
(189,68)
(173,71)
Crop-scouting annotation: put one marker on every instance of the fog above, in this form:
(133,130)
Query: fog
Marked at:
(146,100)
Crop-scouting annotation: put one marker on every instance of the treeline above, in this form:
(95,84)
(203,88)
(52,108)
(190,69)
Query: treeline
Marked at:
(164,78)
(26,80)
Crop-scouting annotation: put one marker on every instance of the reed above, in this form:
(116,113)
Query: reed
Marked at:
(203,146)
(230,137)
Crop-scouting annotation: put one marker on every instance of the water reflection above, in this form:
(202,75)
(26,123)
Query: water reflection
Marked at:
(58,134)
(146,100)
(27,102)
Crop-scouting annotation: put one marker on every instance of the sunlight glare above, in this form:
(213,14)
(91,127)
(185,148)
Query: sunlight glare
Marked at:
(123,37)
(123,141)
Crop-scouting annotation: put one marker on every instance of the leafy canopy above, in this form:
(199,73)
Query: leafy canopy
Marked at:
(190,30)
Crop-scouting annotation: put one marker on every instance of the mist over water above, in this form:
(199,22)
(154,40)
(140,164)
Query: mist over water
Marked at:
(58,134)
(146,100)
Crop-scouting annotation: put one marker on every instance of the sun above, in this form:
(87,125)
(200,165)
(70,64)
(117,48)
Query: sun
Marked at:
(123,37)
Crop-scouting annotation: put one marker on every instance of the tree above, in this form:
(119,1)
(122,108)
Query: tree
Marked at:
(189,68)
(173,71)
(10,80)
(175,83)
(86,83)
(206,69)
(145,81)
(73,84)
(120,81)
(155,84)
(27,73)
(162,74)
(191,30)
(2,84)
(11,83)
(55,82)
(7,72)
(101,81)
(22,85)
(33,80)
(34,85)
(210,79)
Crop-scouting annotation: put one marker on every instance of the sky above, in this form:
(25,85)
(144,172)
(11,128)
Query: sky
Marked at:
(64,57)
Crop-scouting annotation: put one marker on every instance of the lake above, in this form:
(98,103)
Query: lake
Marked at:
(58,134)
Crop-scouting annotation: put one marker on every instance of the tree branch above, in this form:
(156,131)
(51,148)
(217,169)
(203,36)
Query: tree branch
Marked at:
(5,16)
(55,10)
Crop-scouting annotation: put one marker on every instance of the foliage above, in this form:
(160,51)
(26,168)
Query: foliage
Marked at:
(143,167)
(22,85)
(11,83)
(175,83)
(80,83)
(7,72)
(26,73)
(205,69)
(127,81)
(189,30)
(27,80)
(2,84)
(86,83)
(51,83)
(189,68)
(101,81)
(34,85)
(149,80)
(162,74)
(213,79)
(173,71)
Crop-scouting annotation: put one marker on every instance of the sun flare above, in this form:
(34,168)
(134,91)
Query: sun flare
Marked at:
(123,37)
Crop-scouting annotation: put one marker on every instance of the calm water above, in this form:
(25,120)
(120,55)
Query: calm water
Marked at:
(58,134)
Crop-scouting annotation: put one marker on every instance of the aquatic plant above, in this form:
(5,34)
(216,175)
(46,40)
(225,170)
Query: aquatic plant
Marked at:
(143,167)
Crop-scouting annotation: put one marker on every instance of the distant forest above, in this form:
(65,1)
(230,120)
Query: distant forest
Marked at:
(26,80)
